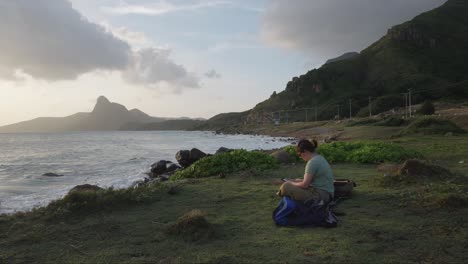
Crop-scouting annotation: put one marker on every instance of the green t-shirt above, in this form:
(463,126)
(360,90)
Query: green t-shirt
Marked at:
(321,172)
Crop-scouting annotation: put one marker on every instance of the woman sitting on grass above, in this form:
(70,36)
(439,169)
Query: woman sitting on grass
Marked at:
(318,177)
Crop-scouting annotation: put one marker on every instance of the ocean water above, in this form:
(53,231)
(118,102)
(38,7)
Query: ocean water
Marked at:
(106,159)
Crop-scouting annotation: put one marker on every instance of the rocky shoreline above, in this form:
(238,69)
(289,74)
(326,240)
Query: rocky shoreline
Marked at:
(162,170)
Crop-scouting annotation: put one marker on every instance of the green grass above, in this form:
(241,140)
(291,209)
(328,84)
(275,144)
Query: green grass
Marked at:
(423,222)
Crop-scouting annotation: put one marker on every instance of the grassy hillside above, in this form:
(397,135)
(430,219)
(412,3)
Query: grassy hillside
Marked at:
(384,222)
(427,55)
(228,122)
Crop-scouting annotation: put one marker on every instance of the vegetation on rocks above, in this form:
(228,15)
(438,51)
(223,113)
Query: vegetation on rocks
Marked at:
(230,162)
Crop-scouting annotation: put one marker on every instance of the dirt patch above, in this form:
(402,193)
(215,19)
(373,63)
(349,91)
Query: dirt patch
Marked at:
(313,132)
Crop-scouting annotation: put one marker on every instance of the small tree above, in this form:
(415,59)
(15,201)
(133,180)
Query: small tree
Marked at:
(427,108)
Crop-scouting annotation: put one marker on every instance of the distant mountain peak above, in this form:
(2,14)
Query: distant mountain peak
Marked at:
(106,115)
(105,107)
(102,100)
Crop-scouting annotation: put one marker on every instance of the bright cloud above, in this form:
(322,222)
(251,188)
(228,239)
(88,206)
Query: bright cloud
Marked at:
(160,8)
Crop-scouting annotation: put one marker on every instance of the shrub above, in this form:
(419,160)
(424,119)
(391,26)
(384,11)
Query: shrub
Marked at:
(427,108)
(226,163)
(365,152)
(431,125)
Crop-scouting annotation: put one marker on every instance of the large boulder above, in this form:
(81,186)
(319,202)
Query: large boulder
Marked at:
(196,154)
(172,168)
(281,156)
(187,157)
(183,157)
(159,167)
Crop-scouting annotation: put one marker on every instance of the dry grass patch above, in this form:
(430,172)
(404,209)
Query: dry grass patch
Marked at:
(192,226)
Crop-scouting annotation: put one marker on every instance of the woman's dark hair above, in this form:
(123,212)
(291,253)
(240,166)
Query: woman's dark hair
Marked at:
(305,144)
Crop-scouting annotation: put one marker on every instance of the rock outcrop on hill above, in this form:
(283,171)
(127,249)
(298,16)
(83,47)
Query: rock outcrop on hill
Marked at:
(346,56)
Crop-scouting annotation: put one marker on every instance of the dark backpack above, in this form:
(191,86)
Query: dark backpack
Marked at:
(298,213)
(343,188)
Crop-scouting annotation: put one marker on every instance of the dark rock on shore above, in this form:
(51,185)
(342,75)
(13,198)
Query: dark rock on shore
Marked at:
(163,168)
(183,157)
(159,167)
(172,168)
(85,187)
(51,174)
(223,150)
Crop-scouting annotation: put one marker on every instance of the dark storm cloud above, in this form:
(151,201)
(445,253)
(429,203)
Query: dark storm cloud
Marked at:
(333,27)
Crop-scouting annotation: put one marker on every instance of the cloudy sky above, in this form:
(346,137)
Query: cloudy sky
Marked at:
(173,58)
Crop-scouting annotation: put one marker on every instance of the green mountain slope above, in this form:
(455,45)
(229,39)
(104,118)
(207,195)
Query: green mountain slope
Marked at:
(427,55)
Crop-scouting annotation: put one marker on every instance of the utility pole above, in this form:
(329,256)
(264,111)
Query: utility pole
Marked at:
(350,109)
(315,112)
(409,102)
(338,111)
(406,105)
(307,118)
(370,107)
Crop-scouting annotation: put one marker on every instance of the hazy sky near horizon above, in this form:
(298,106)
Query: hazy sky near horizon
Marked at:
(173,58)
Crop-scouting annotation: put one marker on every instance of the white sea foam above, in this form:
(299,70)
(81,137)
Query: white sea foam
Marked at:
(107,159)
